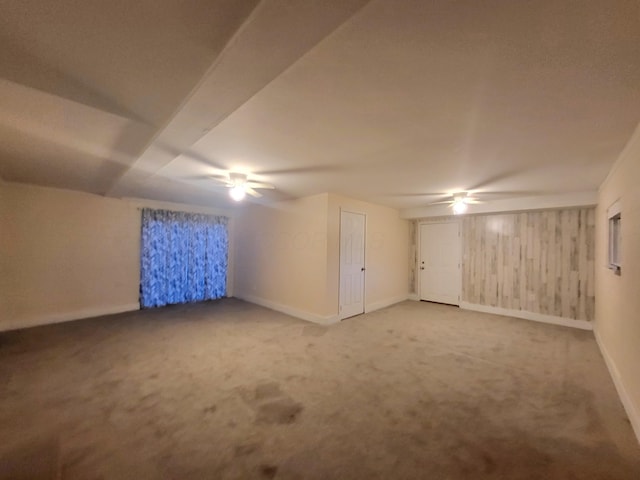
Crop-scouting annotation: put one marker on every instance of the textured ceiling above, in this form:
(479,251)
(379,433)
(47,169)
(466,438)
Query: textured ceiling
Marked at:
(383,100)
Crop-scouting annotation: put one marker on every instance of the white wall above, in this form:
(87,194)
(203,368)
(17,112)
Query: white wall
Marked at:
(617,323)
(386,253)
(281,257)
(65,255)
(289,256)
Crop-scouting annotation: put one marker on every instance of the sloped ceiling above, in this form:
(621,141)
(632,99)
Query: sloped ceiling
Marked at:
(390,101)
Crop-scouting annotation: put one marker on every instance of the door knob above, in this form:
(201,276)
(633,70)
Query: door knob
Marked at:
(362,269)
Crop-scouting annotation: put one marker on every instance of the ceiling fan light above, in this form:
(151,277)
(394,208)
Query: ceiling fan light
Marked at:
(459,207)
(237,193)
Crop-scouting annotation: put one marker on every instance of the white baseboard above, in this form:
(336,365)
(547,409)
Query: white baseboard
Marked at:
(312,317)
(372,307)
(414,296)
(633,411)
(536,317)
(68,316)
(293,312)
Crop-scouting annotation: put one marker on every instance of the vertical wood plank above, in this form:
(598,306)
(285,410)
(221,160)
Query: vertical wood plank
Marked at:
(536,261)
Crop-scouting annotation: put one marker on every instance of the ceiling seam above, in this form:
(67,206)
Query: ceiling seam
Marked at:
(190,95)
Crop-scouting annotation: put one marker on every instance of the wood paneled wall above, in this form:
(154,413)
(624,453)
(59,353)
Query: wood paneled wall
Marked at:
(540,262)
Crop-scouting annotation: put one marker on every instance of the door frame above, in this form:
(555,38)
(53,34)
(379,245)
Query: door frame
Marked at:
(364,260)
(457,220)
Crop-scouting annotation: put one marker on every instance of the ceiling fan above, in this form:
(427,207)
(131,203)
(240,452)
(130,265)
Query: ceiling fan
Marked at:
(459,202)
(239,185)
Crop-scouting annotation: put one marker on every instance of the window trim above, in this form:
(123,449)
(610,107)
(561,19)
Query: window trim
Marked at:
(614,221)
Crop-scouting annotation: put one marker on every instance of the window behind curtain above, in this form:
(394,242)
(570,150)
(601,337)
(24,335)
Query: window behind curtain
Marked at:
(183,257)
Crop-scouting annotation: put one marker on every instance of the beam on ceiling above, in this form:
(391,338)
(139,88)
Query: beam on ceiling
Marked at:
(274,37)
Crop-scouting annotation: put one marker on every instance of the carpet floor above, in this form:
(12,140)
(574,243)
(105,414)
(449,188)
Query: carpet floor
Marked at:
(229,390)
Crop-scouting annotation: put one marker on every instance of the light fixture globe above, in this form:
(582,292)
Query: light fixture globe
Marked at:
(459,205)
(237,193)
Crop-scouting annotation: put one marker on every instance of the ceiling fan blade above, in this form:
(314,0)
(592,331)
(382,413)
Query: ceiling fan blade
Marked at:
(311,169)
(416,195)
(252,192)
(473,201)
(220,176)
(206,181)
(442,202)
(487,182)
(260,185)
(508,193)
(224,182)
(195,177)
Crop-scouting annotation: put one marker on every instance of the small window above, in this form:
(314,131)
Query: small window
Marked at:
(615,238)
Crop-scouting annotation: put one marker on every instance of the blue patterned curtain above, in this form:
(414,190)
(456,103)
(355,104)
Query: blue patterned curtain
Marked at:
(183,257)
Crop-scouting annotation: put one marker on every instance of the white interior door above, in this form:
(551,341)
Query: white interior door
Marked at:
(352,271)
(440,279)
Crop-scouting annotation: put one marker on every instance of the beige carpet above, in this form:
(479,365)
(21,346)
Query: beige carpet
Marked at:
(227,390)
